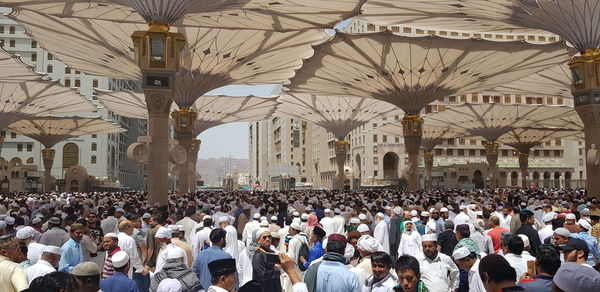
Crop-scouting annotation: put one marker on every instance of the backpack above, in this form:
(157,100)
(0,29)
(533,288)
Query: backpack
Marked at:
(304,251)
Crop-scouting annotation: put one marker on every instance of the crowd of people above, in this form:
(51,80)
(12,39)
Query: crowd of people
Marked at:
(307,240)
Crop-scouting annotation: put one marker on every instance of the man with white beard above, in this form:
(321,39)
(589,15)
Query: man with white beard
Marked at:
(381,232)
(328,223)
(231,242)
(339,222)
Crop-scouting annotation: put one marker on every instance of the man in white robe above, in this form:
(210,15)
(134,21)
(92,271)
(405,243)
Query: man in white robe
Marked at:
(328,223)
(250,228)
(46,264)
(381,232)
(231,241)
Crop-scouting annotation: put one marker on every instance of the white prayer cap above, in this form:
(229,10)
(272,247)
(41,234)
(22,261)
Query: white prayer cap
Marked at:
(304,216)
(425,214)
(295,225)
(309,208)
(111,234)
(51,249)
(169,285)
(256,216)
(570,216)
(173,227)
(444,209)
(362,228)
(175,253)
(163,232)
(460,253)
(362,217)
(525,240)
(120,259)
(120,210)
(549,216)
(584,223)
(397,210)
(9,220)
(563,231)
(263,218)
(206,217)
(379,215)
(180,227)
(354,220)
(414,213)
(295,214)
(36,220)
(25,232)
(264,223)
(462,207)
(337,211)
(368,243)
(146,216)
(273,218)
(327,211)
(429,237)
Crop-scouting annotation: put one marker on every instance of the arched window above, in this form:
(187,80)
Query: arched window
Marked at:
(94,146)
(93,159)
(16,161)
(70,155)
(49,69)
(30,160)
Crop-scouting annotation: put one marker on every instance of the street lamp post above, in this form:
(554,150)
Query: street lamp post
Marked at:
(157,53)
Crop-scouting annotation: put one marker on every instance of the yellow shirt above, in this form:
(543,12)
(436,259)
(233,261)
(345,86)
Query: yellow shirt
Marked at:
(12,276)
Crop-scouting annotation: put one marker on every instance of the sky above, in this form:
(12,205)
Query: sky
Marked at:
(230,139)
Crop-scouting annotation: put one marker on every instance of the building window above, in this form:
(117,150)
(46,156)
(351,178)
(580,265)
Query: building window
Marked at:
(461,152)
(11,30)
(93,159)
(30,160)
(539,100)
(50,56)
(1,28)
(536,153)
(19,147)
(34,57)
(472,142)
(33,44)
(507,99)
(461,141)
(374,138)
(67,70)
(556,153)
(559,100)
(68,82)
(375,173)
(95,83)
(29,147)
(518,99)
(77,83)
(70,155)
(13,135)
(12,43)
(375,160)
(558,142)
(438,152)
(449,152)
(471,152)
(384,139)
(374,149)
(94,135)
(504,152)
(49,69)
(397,140)
(450,141)
(94,146)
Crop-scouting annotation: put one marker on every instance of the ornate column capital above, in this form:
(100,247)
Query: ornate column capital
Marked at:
(412,128)
(48,154)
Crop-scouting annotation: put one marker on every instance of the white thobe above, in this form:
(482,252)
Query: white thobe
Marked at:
(248,230)
(34,252)
(328,225)
(41,268)
(338,223)
(231,242)
(127,244)
(244,268)
(430,227)
(440,274)
(518,262)
(199,239)
(381,233)
(363,270)
(475,284)
(410,243)
(109,224)
(294,250)
(545,232)
(462,218)
(162,256)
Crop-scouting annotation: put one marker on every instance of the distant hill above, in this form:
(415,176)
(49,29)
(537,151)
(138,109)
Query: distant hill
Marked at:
(214,168)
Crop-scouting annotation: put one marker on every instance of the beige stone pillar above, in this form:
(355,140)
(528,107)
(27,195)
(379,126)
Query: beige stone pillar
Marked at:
(341,149)
(48,160)
(159,106)
(183,122)
(428,158)
(193,161)
(523,165)
(586,88)
(1,142)
(412,128)
(491,154)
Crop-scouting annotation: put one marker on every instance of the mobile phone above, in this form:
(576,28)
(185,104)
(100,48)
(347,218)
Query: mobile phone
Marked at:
(272,258)
(531,268)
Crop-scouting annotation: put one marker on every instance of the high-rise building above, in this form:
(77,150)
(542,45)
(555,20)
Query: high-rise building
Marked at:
(104,156)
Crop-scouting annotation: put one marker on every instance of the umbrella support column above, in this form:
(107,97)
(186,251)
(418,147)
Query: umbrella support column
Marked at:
(428,158)
(491,154)
(341,149)
(48,160)
(412,127)
(523,165)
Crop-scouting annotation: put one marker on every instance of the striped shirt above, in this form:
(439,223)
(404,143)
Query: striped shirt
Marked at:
(108,269)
